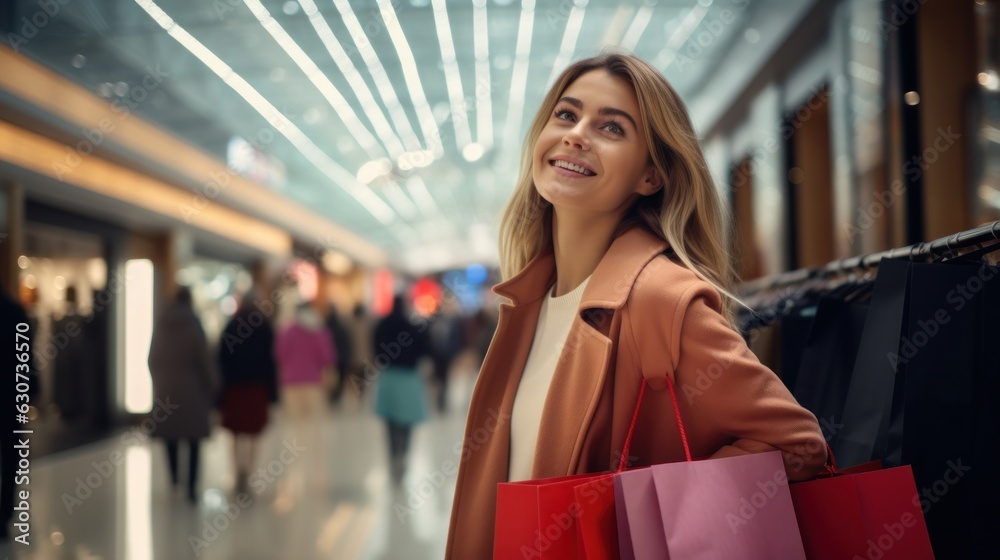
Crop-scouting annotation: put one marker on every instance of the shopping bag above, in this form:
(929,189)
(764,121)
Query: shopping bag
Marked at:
(873,410)
(571,517)
(949,352)
(864,512)
(737,508)
(640,530)
(597,528)
(537,518)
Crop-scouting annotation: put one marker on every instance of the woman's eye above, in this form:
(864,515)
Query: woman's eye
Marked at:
(615,128)
(565,115)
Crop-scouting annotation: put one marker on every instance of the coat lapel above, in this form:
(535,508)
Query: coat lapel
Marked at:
(584,363)
(503,365)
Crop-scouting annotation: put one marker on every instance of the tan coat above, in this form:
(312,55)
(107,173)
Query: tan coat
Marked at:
(642,315)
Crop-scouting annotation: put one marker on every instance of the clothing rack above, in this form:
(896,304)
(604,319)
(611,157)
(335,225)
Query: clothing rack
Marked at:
(919,251)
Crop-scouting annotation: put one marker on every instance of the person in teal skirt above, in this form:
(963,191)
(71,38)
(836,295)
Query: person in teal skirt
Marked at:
(401,400)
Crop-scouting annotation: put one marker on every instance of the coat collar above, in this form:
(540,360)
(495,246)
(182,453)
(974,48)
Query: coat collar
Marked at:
(610,282)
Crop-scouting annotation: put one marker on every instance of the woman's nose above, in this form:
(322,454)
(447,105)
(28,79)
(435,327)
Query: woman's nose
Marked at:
(575,138)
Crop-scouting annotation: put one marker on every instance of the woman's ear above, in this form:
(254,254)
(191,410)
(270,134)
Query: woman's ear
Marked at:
(651,182)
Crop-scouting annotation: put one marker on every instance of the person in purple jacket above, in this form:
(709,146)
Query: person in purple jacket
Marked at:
(304,352)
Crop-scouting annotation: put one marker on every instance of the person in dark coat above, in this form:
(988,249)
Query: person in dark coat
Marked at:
(343,342)
(184,384)
(249,382)
(74,374)
(447,342)
(401,398)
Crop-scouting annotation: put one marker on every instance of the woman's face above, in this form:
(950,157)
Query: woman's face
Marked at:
(592,154)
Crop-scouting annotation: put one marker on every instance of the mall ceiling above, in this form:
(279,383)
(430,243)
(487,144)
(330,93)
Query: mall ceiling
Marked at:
(398,119)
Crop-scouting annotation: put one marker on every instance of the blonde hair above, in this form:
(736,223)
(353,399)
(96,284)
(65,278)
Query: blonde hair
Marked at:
(686,212)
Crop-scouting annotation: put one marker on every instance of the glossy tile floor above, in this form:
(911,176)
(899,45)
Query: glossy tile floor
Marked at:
(327,494)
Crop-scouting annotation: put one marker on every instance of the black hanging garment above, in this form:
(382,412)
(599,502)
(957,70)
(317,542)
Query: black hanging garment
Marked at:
(874,404)
(950,434)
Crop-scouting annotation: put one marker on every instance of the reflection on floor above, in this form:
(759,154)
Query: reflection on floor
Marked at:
(325,494)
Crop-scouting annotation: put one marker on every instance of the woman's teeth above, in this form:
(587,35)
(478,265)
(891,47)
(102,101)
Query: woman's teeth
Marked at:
(571,167)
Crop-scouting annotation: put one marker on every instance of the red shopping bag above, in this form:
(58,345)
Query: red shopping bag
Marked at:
(597,530)
(538,518)
(862,512)
(566,518)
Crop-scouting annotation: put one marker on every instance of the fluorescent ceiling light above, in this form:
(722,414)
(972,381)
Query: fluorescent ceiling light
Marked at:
(519,81)
(333,170)
(374,169)
(635,31)
(484,87)
(679,37)
(570,35)
(361,91)
(420,194)
(432,138)
(394,193)
(453,77)
(472,152)
(378,74)
(355,127)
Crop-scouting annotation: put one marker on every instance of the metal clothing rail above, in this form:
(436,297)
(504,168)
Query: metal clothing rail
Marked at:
(918,251)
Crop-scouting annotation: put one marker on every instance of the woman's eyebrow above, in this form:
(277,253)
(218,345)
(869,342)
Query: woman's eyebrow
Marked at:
(603,111)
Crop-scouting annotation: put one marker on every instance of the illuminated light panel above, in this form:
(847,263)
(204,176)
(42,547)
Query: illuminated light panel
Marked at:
(637,28)
(519,79)
(484,87)
(420,194)
(333,170)
(364,95)
(394,193)
(453,77)
(355,127)
(432,137)
(679,37)
(377,72)
(570,35)
(138,334)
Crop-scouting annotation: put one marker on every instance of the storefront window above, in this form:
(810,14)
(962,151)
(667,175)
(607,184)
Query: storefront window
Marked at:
(62,281)
(986,195)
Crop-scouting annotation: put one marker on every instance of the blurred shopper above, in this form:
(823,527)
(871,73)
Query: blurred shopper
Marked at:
(74,372)
(305,353)
(447,342)
(342,341)
(249,382)
(11,314)
(184,384)
(360,326)
(486,326)
(401,396)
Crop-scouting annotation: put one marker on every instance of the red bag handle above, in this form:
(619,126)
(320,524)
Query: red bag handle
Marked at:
(635,419)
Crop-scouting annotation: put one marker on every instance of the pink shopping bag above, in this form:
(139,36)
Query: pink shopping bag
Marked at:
(735,508)
(640,529)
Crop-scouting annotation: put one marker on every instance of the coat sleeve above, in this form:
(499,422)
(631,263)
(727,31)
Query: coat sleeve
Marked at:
(728,390)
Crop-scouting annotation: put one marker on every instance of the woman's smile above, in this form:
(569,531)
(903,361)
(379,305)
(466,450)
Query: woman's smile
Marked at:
(569,167)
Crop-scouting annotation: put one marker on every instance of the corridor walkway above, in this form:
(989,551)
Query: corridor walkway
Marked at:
(322,494)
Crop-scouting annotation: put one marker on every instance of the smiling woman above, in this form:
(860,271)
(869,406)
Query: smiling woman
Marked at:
(612,250)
